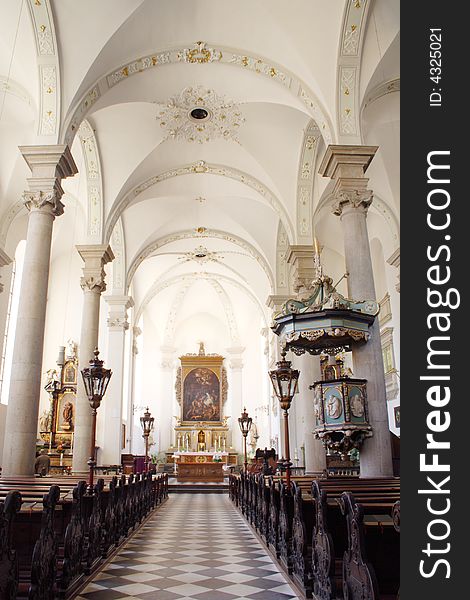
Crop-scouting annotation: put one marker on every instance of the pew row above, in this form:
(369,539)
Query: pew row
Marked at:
(334,538)
(51,540)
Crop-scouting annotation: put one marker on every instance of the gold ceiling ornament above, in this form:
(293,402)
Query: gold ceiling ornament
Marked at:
(198,114)
(199,54)
(201,255)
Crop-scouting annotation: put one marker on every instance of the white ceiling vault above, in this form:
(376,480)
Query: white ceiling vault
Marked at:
(197,128)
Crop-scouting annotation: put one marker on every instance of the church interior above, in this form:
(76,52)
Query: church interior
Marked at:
(199,299)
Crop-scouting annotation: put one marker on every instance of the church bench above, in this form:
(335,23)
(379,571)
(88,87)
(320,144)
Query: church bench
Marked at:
(289,526)
(336,560)
(374,500)
(9,508)
(371,561)
(85,528)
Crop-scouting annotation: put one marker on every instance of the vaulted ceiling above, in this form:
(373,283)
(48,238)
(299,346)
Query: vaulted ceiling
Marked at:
(193,199)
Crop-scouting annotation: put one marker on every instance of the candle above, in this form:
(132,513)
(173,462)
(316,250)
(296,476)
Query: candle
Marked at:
(317,247)
(61,459)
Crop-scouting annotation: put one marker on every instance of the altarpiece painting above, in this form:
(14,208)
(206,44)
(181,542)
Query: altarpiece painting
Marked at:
(201,395)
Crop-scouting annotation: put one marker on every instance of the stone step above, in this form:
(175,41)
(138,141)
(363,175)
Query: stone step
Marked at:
(197,487)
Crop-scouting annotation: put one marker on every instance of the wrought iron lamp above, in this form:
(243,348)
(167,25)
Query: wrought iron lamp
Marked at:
(95,379)
(245,425)
(285,382)
(147,425)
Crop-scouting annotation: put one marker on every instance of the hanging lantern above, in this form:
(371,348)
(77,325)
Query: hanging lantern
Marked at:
(245,423)
(147,423)
(96,379)
(285,382)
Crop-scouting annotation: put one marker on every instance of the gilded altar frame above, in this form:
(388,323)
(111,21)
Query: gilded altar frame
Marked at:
(201,389)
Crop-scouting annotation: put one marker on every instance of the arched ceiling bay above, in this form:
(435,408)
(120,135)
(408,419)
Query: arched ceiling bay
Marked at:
(198,198)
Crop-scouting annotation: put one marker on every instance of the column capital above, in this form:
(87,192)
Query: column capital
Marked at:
(346,165)
(394,261)
(352,199)
(235,357)
(346,161)
(168,355)
(94,257)
(119,300)
(4,258)
(118,307)
(49,164)
(44,201)
(275,302)
(301,258)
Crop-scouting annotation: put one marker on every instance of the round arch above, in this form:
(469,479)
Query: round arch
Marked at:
(200,167)
(201,233)
(212,53)
(159,286)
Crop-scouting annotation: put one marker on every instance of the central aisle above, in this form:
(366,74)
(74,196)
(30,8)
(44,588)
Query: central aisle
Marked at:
(195,546)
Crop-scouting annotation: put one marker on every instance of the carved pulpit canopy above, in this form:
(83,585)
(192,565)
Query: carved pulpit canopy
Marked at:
(326,321)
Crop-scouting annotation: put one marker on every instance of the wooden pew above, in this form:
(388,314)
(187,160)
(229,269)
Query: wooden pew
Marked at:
(333,535)
(70,570)
(273,521)
(9,508)
(62,535)
(307,531)
(371,562)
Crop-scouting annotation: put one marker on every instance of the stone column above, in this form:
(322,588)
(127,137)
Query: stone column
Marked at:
(346,165)
(93,285)
(275,303)
(236,394)
(315,455)
(302,260)
(112,405)
(49,165)
(136,331)
(164,434)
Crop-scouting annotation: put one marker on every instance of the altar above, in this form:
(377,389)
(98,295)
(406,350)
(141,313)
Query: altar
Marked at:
(200,466)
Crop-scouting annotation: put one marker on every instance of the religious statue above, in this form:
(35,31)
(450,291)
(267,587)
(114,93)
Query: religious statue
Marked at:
(45,421)
(357,405)
(333,407)
(67,415)
(317,403)
(71,349)
(202,351)
(52,375)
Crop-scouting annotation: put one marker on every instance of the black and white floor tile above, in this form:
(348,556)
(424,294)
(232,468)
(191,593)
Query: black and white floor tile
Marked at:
(195,547)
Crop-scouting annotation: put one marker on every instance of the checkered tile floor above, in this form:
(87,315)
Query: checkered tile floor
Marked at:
(196,546)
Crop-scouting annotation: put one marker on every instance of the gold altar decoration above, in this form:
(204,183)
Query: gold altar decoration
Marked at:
(201,392)
(57,423)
